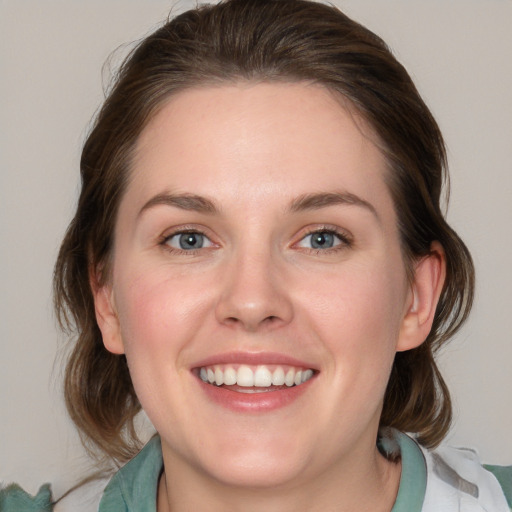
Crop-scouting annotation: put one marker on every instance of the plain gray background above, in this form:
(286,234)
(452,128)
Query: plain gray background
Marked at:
(459,52)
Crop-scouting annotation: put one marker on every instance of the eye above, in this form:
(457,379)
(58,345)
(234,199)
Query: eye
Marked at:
(323,239)
(188,241)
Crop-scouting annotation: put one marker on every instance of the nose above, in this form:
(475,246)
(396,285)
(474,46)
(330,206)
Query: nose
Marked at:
(254,295)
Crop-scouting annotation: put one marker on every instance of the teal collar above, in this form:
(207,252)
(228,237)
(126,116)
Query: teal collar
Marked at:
(413,480)
(133,488)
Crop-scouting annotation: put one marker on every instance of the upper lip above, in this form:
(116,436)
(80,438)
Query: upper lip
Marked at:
(253,358)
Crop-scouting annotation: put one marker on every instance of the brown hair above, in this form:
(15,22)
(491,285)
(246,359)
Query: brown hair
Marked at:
(259,40)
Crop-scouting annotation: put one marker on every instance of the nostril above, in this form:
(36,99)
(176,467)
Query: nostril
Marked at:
(261,311)
(252,324)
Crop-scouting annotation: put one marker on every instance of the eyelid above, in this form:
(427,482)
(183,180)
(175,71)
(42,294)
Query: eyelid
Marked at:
(343,235)
(170,238)
(183,229)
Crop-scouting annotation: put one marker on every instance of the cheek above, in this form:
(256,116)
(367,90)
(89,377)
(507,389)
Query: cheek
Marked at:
(355,316)
(157,313)
(358,312)
(158,318)
(362,298)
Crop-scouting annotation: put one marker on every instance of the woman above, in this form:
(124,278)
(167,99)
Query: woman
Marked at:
(259,260)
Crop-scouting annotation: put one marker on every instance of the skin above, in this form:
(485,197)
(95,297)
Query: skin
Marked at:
(258,286)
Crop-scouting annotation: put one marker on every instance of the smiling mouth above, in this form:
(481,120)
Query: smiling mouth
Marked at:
(255,379)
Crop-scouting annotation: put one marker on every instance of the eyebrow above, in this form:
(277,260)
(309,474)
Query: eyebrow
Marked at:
(305,202)
(325,199)
(190,202)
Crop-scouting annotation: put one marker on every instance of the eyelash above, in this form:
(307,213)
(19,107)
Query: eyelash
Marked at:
(164,241)
(345,240)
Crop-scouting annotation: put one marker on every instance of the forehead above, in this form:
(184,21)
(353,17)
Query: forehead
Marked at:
(246,139)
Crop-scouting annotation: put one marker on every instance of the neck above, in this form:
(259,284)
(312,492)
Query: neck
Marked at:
(369,484)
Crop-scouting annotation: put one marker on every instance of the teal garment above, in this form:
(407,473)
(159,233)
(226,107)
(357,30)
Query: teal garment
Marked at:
(413,480)
(14,499)
(134,487)
(504,476)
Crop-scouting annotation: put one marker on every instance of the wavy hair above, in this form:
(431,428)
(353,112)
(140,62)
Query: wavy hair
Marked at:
(259,40)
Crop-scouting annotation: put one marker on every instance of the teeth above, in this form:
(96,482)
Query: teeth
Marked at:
(306,375)
(261,376)
(229,376)
(219,377)
(278,377)
(245,377)
(289,379)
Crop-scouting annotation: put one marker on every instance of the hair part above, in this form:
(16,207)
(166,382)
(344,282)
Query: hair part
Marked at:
(258,40)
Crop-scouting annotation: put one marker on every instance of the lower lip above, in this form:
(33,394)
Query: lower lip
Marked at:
(254,402)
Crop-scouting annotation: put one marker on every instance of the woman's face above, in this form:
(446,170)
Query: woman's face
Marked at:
(257,246)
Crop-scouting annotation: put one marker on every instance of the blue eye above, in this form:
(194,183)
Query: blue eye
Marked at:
(188,241)
(321,240)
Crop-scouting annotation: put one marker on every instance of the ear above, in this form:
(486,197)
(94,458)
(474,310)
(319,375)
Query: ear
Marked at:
(429,277)
(106,314)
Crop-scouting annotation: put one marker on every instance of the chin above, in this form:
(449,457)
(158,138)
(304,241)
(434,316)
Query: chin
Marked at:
(252,457)
(256,470)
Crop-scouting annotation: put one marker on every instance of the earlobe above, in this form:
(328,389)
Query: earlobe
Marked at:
(106,315)
(429,277)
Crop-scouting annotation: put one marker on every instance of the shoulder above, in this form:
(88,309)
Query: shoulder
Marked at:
(14,499)
(504,476)
(134,487)
(456,476)
(85,498)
